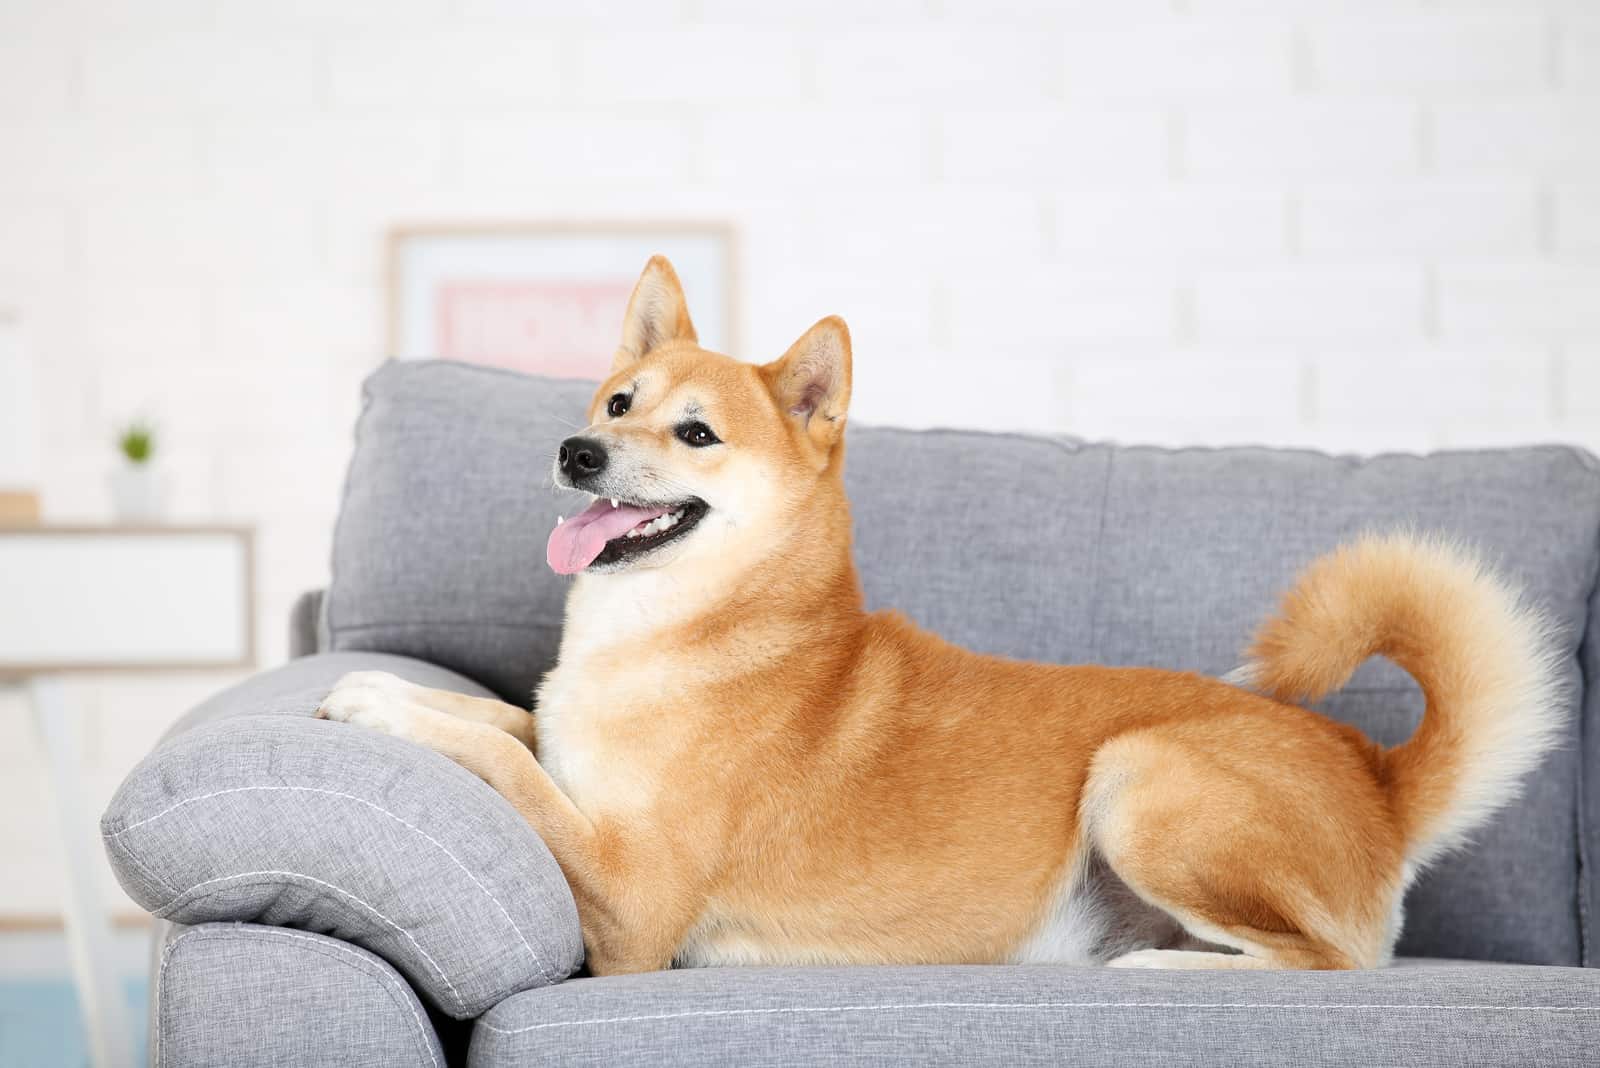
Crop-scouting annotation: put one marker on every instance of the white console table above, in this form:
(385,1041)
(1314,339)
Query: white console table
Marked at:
(77,599)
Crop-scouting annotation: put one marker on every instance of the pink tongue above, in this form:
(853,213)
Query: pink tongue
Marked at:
(575,543)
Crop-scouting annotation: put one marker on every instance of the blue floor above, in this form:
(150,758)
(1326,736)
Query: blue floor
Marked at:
(40,1026)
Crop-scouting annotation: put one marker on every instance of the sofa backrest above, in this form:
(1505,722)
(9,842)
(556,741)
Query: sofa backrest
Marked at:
(1036,547)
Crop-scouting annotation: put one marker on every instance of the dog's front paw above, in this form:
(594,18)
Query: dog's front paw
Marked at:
(372,707)
(375,680)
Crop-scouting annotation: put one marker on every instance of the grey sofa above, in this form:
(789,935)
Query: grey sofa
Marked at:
(334,896)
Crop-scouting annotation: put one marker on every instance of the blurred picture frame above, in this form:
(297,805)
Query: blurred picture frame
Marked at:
(21,434)
(547,298)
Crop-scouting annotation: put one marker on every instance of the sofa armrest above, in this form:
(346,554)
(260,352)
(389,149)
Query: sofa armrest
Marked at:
(251,809)
(259,997)
(305,623)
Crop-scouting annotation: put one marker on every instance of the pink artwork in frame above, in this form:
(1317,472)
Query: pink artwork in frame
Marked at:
(545,299)
(562,328)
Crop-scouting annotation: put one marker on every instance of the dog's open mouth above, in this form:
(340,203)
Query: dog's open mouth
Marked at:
(610,530)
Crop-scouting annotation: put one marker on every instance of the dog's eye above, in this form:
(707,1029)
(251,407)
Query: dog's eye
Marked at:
(697,434)
(618,404)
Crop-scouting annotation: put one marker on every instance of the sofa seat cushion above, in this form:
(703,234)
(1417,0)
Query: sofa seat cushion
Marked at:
(253,810)
(1416,1014)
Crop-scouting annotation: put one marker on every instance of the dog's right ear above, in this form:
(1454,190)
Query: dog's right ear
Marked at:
(657,314)
(811,383)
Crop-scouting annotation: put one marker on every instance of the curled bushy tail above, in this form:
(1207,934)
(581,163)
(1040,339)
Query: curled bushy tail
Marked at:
(1484,661)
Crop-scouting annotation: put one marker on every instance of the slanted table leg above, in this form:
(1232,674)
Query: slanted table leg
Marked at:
(87,927)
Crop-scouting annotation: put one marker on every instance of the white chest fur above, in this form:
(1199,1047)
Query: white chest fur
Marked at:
(582,724)
(597,715)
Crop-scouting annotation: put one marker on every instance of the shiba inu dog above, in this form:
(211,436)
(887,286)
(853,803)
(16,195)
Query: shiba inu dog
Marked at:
(737,764)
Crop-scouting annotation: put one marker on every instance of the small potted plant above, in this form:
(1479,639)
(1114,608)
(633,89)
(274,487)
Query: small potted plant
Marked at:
(136,486)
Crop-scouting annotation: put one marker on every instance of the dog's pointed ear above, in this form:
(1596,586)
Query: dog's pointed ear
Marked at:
(657,314)
(811,383)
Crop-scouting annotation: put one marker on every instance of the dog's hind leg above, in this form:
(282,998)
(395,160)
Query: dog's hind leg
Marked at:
(1249,852)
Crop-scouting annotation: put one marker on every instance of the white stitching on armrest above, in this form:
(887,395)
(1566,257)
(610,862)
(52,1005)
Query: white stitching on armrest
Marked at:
(162,912)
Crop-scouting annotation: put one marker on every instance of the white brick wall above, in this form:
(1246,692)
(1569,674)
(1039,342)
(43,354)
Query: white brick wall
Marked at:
(1170,59)
(1419,220)
(921,65)
(529,151)
(789,149)
(1351,225)
(1580,54)
(449,72)
(1196,222)
(178,74)
(1061,145)
(1577,219)
(1519,134)
(704,66)
(1432,53)
(1370,300)
(1301,137)
(1519,299)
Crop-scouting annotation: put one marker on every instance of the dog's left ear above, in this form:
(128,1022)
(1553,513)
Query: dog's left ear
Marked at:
(811,383)
(657,313)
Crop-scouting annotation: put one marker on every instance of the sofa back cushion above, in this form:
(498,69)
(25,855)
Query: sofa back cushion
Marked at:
(1100,554)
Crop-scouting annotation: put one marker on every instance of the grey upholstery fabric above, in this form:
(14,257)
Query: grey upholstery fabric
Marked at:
(1046,548)
(304,622)
(253,810)
(439,549)
(1589,794)
(1411,1016)
(243,996)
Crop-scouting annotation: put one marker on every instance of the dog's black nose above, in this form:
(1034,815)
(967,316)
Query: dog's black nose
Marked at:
(581,458)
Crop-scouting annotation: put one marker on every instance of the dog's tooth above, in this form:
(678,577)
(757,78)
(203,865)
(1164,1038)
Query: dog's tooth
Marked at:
(560,519)
(613,502)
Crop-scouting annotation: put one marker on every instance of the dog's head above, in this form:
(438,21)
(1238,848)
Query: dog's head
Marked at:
(692,455)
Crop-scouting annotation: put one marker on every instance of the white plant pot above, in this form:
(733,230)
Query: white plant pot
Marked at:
(138,493)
